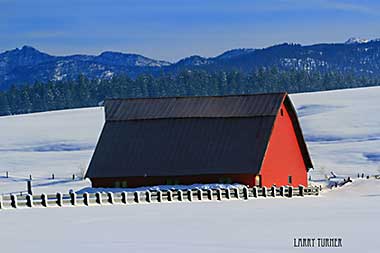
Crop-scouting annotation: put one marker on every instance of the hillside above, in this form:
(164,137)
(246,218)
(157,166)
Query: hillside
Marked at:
(28,65)
(340,128)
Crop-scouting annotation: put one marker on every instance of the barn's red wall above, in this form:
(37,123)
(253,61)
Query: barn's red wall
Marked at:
(246,179)
(283,157)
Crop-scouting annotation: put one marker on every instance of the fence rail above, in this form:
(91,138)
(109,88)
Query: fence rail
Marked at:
(126,198)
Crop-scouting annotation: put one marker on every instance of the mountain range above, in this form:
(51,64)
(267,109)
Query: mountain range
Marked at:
(28,65)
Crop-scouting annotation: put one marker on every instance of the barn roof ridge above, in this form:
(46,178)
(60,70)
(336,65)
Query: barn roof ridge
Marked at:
(266,104)
(206,96)
(196,117)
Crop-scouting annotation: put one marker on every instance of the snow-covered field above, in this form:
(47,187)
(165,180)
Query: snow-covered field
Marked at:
(40,144)
(342,129)
(260,225)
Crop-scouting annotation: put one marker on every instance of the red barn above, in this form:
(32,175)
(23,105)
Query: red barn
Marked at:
(247,139)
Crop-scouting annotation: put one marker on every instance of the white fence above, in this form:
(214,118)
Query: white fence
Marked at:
(126,198)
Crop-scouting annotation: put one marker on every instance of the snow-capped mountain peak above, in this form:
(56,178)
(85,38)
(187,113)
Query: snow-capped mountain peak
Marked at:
(235,52)
(355,40)
(194,60)
(129,60)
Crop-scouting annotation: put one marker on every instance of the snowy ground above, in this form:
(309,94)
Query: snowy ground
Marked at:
(259,225)
(342,130)
(40,144)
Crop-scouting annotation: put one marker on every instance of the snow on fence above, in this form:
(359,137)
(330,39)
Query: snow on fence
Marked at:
(151,196)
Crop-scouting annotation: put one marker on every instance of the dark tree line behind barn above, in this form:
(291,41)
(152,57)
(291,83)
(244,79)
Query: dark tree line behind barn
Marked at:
(83,92)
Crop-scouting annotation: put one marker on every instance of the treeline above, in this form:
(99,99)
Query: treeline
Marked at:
(83,92)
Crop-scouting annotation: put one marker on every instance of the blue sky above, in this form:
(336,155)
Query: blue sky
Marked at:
(171,29)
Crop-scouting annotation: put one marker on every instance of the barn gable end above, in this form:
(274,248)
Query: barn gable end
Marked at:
(285,162)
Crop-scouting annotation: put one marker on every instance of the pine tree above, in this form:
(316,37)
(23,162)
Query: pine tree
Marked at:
(84,92)
(4,105)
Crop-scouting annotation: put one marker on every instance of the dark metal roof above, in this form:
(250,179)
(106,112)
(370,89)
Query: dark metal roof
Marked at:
(194,107)
(177,147)
(189,136)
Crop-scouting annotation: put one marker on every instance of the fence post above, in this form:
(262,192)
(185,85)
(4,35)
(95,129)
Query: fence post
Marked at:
(98,198)
(190,195)
(273,191)
(245,192)
(29,200)
(29,187)
(170,195)
(255,191)
(148,196)
(265,191)
(44,200)
(137,197)
(159,196)
(290,191)
(237,192)
(228,193)
(219,194)
(301,190)
(110,198)
(13,201)
(316,191)
(180,195)
(86,199)
(200,194)
(59,199)
(73,198)
(282,191)
(209,194)
(124,197)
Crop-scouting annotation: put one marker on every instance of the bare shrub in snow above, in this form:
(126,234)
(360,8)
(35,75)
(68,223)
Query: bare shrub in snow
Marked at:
(82,169)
